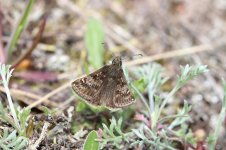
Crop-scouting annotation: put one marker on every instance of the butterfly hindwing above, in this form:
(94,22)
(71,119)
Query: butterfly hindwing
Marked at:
(122,95)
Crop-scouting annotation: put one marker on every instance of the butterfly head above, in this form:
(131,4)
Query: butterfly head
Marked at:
(117,61)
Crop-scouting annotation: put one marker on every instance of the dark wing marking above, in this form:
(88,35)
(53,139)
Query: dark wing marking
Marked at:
(122,95)
(88,87)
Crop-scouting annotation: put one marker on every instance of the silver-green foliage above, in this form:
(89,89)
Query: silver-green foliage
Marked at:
(113,134)
(153,137)
(9,141)
(17,138)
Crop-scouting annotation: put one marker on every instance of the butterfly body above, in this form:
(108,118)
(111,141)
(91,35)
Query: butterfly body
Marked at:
(105,87)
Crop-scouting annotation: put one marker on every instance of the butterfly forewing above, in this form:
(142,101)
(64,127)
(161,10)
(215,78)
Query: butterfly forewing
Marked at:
(89,87)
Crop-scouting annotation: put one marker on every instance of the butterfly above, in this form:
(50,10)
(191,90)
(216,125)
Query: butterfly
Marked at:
(105,87)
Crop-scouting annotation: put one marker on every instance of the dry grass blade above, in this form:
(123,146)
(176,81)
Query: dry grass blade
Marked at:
(42,136)
(171,54)
(44,98)
(29,95)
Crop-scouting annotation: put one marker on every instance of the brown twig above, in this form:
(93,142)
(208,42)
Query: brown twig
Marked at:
(122,41)
(34,43)
(33,146)
(41,100)
(111,33)
(185,142)
(30,95)
(64,105)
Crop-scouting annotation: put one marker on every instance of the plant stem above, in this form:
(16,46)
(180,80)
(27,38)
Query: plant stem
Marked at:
(167,98)
(143,100)
(158,113)
(220,120)
(11,106)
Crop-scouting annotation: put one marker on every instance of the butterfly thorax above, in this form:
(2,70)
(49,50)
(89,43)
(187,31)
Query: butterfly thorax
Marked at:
(117,61)
(113,71)
(107,88)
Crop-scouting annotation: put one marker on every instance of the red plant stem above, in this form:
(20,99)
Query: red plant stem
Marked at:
(33,45)
(2,52)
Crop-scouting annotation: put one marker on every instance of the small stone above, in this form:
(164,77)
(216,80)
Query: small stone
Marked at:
(200,134)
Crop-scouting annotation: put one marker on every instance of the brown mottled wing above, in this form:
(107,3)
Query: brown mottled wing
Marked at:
(122,95)
(88,87)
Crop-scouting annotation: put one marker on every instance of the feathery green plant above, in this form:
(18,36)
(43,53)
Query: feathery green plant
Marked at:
(9,141)
(19,116)
(153,80)
(113,134)
(212,139)
(187,73)
(6,74)
(156,136)
(150,138)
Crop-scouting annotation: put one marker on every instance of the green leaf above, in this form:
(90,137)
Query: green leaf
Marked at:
(118,127)
(11,141)
(86,68)
(94,39)
(224,87)
(90,142)
(140,84)
(81,106)
(137,133)
(190,72)
(211,140)
(47,111)
(23,117)
(181,116)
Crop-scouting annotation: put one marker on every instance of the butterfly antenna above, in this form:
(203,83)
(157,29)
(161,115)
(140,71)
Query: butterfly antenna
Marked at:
(137,55)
